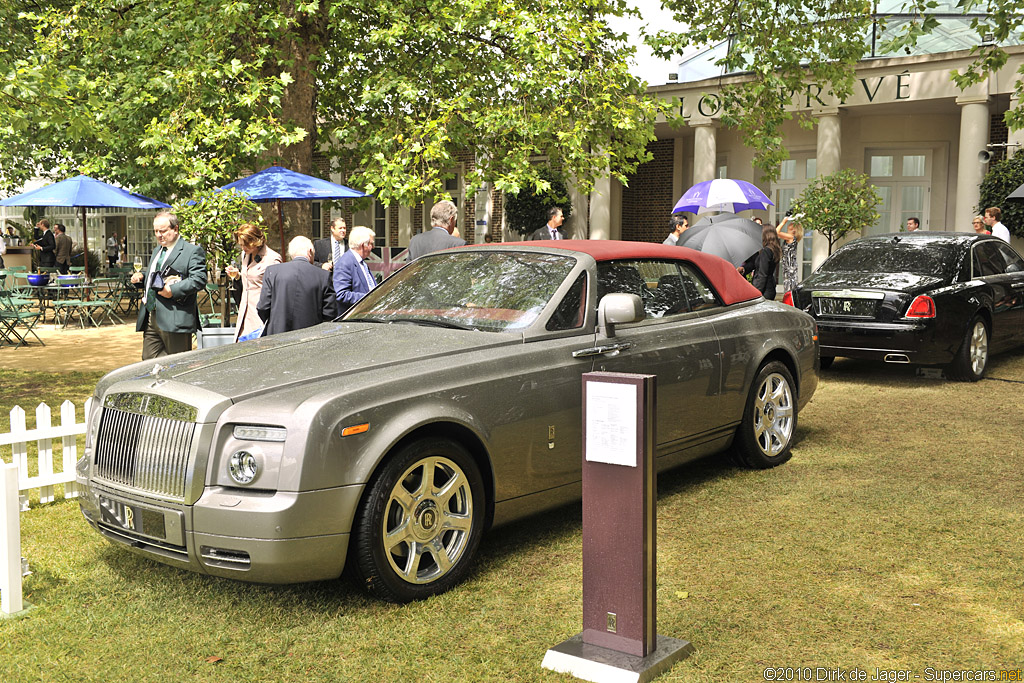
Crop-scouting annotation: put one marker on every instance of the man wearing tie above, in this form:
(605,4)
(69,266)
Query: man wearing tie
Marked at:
(352,277)
(176,273)
(328,250)
(551,231)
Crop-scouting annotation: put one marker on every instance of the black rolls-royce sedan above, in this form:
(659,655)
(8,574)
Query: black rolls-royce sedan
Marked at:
(931,298)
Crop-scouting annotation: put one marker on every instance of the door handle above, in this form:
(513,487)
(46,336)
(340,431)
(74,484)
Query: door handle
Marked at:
(603,349)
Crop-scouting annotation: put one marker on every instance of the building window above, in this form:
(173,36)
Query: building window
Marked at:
(317,219)
(380,221)
(902,180)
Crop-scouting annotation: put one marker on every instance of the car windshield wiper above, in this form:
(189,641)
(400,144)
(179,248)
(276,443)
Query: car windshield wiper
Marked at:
(435,323)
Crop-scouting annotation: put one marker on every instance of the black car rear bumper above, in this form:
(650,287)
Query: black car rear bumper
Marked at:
(868,340)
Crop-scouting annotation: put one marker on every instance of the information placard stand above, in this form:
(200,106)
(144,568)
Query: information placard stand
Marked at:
(619,641)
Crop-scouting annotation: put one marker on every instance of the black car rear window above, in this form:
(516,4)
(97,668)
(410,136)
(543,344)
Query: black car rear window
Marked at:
(937,259)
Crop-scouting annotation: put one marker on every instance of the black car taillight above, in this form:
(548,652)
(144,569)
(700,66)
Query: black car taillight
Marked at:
(921,307)
(787,298)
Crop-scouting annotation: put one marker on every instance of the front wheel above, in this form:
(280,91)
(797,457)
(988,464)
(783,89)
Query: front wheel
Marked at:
(765,436)
(420,522)
(972,358)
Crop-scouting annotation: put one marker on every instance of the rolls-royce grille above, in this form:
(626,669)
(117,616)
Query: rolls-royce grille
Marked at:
(144,452)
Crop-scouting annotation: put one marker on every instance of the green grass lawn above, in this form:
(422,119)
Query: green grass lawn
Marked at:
(892,540)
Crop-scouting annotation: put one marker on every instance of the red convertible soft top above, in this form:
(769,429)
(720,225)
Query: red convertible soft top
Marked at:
(730,285)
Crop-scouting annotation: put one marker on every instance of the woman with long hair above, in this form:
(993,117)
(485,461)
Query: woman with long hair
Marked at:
(765,262)
(256,257)
(790,239)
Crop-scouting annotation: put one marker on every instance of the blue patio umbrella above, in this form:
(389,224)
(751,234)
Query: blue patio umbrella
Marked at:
(85,193)
(277,184)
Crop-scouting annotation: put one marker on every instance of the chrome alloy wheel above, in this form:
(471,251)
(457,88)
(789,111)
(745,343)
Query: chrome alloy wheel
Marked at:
(427,520)
(773,415)
(979,347)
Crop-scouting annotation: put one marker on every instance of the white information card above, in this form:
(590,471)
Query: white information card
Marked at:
(611,423)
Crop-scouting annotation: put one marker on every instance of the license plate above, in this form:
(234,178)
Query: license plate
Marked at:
(135,518)
(854,308)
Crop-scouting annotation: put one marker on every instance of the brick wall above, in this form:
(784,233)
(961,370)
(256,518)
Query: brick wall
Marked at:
(647,201)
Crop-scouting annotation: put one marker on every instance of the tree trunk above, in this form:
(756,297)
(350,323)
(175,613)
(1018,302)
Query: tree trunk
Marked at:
(298,107)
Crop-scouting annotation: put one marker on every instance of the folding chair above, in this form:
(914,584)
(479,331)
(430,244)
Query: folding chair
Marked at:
(68,302)
(12,320)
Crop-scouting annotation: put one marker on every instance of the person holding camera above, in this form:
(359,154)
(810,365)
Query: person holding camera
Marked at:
(790,239)
(176,274)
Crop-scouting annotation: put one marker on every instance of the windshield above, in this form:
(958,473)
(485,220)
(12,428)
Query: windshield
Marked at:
(489,290)
(935,259)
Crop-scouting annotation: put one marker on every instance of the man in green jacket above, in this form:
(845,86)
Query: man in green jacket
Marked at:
(176,274)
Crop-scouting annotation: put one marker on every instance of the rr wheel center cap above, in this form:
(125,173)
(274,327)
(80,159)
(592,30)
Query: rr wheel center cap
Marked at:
(769,412)
(427,519)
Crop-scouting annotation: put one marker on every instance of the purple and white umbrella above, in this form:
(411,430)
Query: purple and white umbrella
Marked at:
(722,194)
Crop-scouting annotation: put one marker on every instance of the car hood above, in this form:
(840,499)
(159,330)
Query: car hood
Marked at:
(330,350)
(899,282)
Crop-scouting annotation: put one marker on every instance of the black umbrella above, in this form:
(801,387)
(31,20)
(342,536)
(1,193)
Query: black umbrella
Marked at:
(1017,195)
(726,235)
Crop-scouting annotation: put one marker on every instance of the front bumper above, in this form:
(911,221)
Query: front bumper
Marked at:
(264,537)
(870,340)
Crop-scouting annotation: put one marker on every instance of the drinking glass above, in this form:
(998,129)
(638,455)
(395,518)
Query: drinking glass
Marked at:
(137,264)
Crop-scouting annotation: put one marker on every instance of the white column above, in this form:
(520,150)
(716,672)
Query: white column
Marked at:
(600,210)
(974,124)
(404,225)
(705,148)
(828,159)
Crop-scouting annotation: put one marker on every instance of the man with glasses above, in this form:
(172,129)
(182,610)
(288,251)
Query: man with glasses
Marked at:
(352,277)
(176,274)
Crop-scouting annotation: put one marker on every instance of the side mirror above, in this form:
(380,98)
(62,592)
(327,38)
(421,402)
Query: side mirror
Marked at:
(618,308)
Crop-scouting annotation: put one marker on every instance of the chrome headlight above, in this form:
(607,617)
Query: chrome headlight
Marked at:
(243,466)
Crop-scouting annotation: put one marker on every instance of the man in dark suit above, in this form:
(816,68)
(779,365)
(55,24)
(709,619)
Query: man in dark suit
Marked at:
(443,217)
(296,294)
(329,249)
(176,274)
(63,250)
(552,230)
(352,277)
(46,245)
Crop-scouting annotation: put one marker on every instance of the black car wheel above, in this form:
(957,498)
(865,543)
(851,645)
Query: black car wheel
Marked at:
(971,360)
(420,522)
(769,419)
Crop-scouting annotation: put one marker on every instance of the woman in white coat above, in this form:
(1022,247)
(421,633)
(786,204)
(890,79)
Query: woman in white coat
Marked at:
(256,257)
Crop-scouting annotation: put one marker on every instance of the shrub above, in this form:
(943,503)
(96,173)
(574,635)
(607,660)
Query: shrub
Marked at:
(527,211)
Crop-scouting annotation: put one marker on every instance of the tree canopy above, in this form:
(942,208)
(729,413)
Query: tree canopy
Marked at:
(171,97)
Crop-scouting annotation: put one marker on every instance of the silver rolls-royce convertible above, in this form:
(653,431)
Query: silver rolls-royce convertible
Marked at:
(448,400)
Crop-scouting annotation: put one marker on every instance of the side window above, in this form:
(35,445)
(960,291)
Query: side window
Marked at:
(664,287)
(699,296)
(572,310)
(1014,263)
(988,260)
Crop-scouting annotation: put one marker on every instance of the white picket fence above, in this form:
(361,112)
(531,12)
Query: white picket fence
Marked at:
(44,434)
(15,484)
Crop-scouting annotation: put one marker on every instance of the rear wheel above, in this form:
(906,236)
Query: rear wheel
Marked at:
(769,419)
(420,522)
(971,360)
